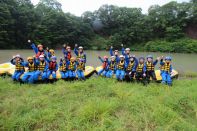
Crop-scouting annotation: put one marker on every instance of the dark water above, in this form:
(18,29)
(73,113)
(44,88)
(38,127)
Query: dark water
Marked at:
(181,62)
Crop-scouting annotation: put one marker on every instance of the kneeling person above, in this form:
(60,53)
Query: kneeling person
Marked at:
(63,69)
(71,68)
(112,67)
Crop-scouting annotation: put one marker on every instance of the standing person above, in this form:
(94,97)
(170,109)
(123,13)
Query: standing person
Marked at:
(29,76)
(125,53)
(80,52)
(131,68)
(105,65)
(112,67)
(141,71)
(81,69)
(114,53)
(63,68)
(150,68)
(52,67)
(121,66)
(66,50)
(39,50)
(42,67)
(166,75)
(71,68)
(19,67)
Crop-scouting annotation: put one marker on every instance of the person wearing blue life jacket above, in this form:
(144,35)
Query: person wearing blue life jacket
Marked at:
(19,67)
(63,68)
(52,67)
(42,67)
(131,68)
(105,66)
(80,69)
(166,75)
(39,50)
(126,53)
(72,68)
(150,67)
(120,69)
(114,53)
(112,67)
(28,76)
(140,74)
(80,53)
(50,53)
(66,50)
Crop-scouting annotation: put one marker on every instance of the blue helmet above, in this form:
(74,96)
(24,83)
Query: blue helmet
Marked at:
(54,58)
(168,58)
(149,56)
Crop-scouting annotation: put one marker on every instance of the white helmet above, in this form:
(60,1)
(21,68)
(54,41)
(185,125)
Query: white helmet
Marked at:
(41,56)
(80,47)
(18,56)
(127,49)
(121,56)
(112,57)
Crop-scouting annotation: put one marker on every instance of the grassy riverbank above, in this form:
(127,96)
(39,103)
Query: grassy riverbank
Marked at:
(98,104)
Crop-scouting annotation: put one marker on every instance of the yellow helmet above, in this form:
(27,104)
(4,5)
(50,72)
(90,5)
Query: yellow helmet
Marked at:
(72,58)
(30,58)
(52,51)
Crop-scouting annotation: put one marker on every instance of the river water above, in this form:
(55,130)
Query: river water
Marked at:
(184,63)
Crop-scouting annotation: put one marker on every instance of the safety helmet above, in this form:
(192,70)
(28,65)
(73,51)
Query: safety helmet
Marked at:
(141,58)
(80,47)
(82,60)
(168,58)
(30,58)
(68,47)
(51,50)
(17,56)
(121,56)
(54,58)
(41,56)
(72,58)
(149,56)
(115,50)
(127,49)
(131,56)
(39,45)
(105,57)
(112,57)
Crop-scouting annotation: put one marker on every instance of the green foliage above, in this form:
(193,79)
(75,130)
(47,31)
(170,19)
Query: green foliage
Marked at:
(98,104)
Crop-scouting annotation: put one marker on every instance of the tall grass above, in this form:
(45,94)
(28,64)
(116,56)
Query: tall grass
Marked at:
(98,104)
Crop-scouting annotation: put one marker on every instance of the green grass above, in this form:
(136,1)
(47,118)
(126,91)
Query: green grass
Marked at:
(98,104)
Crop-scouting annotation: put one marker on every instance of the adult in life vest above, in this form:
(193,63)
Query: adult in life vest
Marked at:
(112,67)
(50,52)
(19,67)
(80,68)
(126,53)
(166,75)
(66,50)
(131,68)
(42,67)
(150,67)
(71,68)
(121,66)
(39,50)
(80,52)
(28,76)
(140,74)
(114,53)
(105,65)
(63,68)
(52,67)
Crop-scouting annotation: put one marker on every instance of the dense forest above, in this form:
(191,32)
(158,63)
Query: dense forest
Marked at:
(168,28)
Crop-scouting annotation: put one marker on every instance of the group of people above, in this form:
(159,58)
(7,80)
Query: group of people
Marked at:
(127,67)
(44,64)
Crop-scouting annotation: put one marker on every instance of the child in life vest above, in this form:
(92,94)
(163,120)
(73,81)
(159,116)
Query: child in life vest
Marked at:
(29,75)
(72,68)
(81,69)
(121,66)
(66,50)
(114,53)
(105,66)
(39,50)
(80,53)
(131,68)
(126,53)
(19,67)
(63,68)
(140,74)
(52,67)
(166,75)
(112,67)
